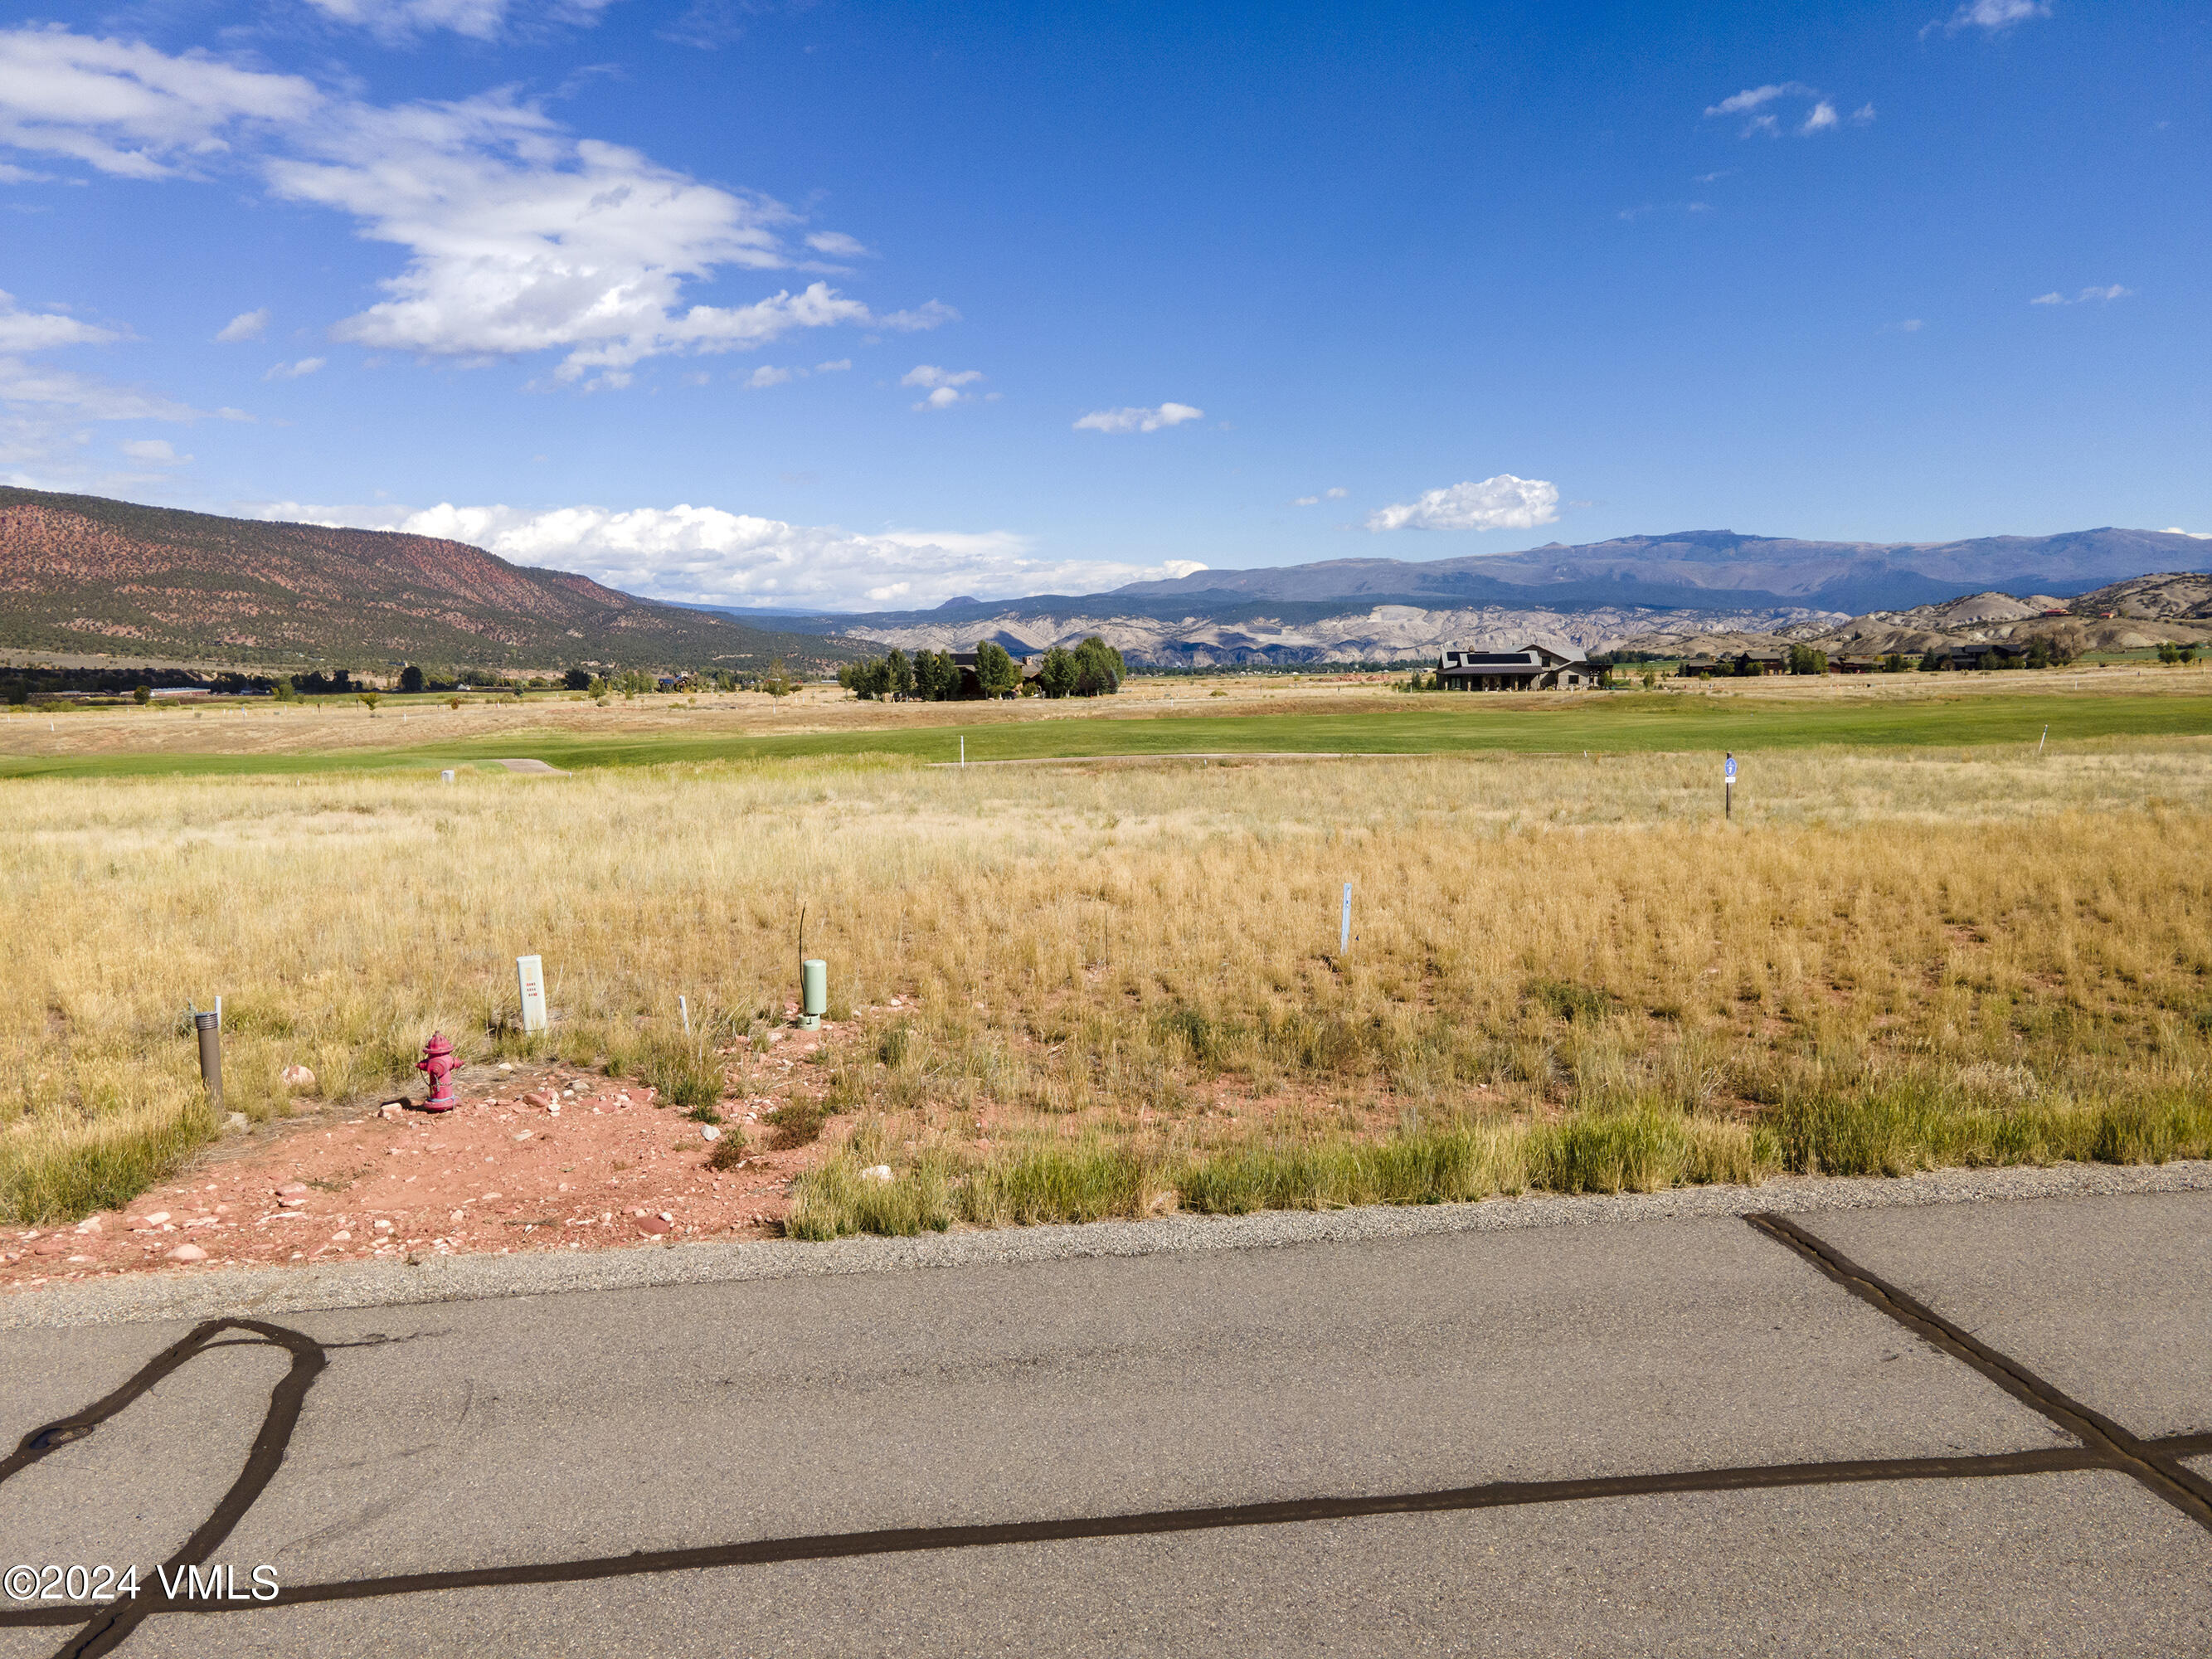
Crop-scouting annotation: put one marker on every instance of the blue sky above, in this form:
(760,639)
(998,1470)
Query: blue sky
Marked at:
(863,306)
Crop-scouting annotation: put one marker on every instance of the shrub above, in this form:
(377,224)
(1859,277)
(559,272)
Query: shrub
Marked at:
(685,1069)
(728,1150)
(796,1123)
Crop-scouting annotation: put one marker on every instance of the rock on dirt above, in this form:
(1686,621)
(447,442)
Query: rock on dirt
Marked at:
(299,1079)
(188,1253)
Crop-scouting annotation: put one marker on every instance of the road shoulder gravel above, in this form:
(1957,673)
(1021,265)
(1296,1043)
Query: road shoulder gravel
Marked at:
(249,1292)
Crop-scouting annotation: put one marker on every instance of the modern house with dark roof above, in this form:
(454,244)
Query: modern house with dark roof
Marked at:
(1532,668)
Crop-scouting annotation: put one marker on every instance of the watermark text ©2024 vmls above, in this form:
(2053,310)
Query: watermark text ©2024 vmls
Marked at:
(81,1583)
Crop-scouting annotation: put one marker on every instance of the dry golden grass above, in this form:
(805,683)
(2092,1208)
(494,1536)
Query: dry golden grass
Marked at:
(1143,959)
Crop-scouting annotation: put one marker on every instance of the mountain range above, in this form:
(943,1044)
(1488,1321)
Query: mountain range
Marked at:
(81,574)
(1640,588)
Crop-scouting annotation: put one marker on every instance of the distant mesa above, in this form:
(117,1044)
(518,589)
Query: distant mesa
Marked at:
(1635,591)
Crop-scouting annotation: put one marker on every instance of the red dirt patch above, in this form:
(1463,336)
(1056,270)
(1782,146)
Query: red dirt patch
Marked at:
(495,1175)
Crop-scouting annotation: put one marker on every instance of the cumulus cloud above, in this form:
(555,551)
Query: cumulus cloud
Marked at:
(246,326)
(837,368)
(838,245)
(2194,535)
(126,109)
(1334,495)
(766,375)
(1504,502)
(519,236)
(1994,16)
(1137,420)
(1752,103)
(705,555)
(154,452)
(2086,297)
(523,239)
(299,370)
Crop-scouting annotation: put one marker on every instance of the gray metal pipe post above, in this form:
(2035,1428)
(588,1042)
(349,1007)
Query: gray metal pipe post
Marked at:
(210,1056)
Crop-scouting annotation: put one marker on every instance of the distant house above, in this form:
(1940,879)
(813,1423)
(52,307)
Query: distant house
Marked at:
(1532,668)
(971,680)
(1743,662)
(1984,654)
(1855,664)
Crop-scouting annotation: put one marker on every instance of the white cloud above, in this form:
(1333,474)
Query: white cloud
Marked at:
(246,326)
(524,239)
(1752,102)
(1995,14)
(1504,502)
(1911,325)
(1334,495)
(837,368)
(2086,297)
(705,555)
(766,376)
(84,397)
(930,374)
(838,245)
(520,237)
(40,331)
(125,108)
(2194,535)
(946,382)
(1137,420)
(155,452)
(1751,98)
(12,174)
(299,370)
(397,21)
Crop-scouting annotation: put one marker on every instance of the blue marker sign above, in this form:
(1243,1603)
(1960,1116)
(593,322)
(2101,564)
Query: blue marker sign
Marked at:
(1731,772)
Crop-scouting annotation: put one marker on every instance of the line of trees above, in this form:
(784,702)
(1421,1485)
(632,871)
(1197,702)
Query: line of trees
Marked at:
(1093,669)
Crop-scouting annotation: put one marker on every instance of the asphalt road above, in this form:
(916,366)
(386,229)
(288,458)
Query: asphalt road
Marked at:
(1972,1430)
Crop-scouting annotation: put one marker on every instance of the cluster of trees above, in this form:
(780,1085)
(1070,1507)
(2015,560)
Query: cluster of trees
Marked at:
(1093,669)
(2177,651)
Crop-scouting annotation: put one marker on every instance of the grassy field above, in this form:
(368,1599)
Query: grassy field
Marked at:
(1893,712)
(1120,988)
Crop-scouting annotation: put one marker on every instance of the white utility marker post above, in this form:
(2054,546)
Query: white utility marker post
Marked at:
(2041,741)
(530,971)
(964,751)
(1728,788)
(1344,929)
(684,1003)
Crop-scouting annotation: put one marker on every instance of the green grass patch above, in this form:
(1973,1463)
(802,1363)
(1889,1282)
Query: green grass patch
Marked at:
(1620,723)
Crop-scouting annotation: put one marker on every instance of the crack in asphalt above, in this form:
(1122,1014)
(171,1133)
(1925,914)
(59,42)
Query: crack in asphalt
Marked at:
(2155,1464)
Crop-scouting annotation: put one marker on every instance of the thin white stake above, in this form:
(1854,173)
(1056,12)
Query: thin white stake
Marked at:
(1343,931)
(2041,741)
(684,1003)
(964,750)
(218,1013)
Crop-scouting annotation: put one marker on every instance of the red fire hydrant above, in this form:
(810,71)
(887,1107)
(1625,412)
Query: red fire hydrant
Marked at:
(438,1061)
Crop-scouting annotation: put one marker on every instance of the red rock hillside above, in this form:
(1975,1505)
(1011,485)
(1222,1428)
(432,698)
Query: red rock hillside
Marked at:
(79,574)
